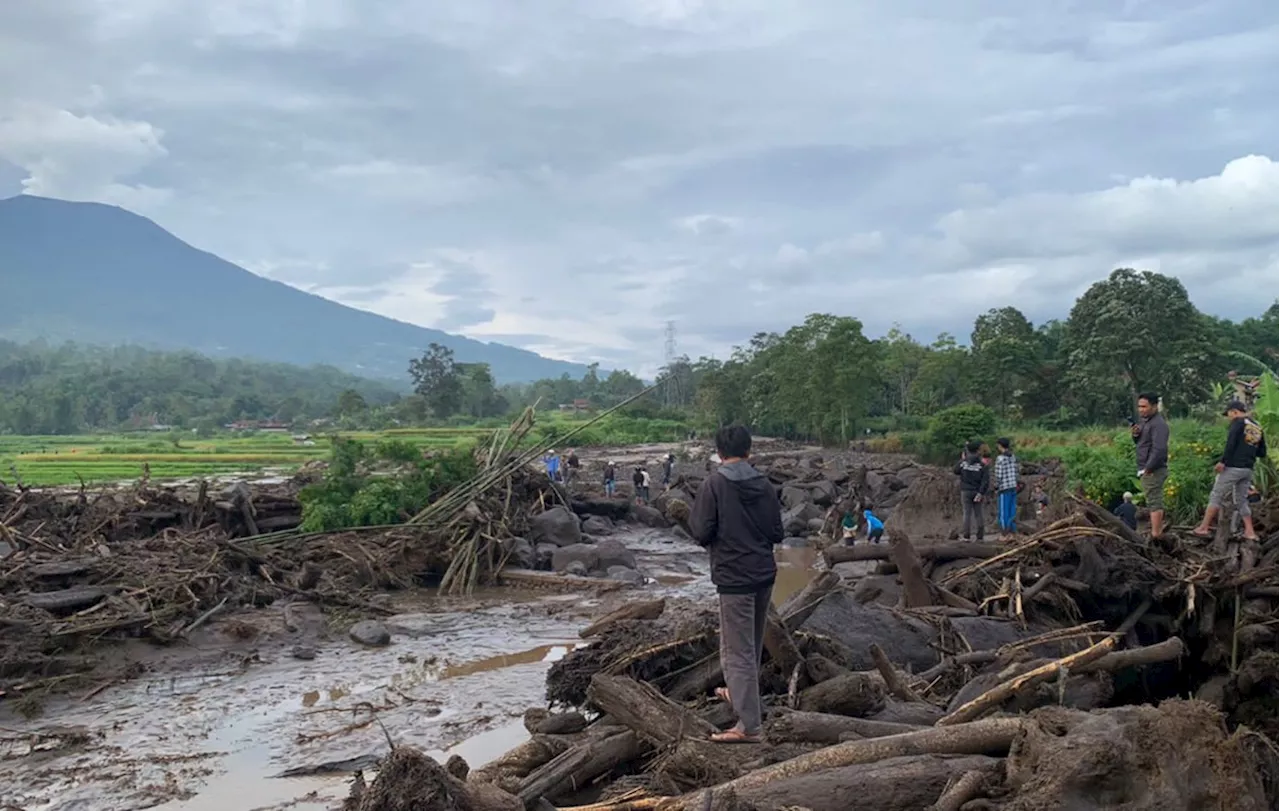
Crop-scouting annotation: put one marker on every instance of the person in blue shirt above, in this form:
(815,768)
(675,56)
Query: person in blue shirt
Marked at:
(875,527)
(552,461)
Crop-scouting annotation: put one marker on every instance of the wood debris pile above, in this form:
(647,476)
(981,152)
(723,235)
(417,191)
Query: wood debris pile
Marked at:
(1081,667)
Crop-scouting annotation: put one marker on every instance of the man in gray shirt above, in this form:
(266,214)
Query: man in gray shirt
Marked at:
(1151,436)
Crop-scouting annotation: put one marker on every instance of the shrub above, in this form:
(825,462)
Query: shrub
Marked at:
(951,428)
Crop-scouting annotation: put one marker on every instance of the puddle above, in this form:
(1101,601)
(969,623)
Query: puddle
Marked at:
(456,680)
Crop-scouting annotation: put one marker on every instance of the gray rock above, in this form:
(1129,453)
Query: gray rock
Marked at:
(626,575)
(795,541)
(680,533)
(824,493)
(371,633)
(520,553)
(649,516)
(793,523)
(544,553)
(908,474)
(304,652)
(793,497)
(597,525)
(816,524)
(614,553)
(557,525)
(576,568)
(586,554)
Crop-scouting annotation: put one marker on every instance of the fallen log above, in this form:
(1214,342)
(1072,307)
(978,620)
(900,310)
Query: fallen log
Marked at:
(647,610)
(56,602)
(580,766)
(990,736)
(519,762)
(797,726)
(892,679)
(853,694)
(915,586)
(1166,651)
(938,552)
(967,787)
(780,644)
(642,709)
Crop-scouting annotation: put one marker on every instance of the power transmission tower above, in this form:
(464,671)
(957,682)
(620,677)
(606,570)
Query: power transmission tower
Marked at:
(671,391)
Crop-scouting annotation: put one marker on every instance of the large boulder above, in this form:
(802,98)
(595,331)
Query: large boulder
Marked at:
(824,493)
(371,633)
(558,526)
(542,555)
(585,553)
(520,553)
(796,521)
(904,639)
(793,497)
(597,525)
(625,575)
(614,553)
(649,516)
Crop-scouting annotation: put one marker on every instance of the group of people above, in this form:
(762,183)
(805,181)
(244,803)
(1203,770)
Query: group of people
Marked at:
(1245,445)
(562,469)
(641,481)
(977,482)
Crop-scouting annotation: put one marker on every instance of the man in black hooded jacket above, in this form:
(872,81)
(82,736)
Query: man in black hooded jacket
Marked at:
(738,517)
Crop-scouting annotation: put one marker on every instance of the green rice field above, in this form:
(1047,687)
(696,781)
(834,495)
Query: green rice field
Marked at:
(55,460)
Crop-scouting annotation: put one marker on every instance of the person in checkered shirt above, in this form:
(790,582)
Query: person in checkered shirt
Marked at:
(1007,488)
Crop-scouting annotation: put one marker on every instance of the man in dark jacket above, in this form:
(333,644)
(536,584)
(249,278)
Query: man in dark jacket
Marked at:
(975,481)
(1245,445)
(738,517)
(1151,436)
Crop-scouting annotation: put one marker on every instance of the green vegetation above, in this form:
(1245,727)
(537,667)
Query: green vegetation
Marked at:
(359,489)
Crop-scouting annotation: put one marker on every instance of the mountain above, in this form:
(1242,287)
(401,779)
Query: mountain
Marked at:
(98,274)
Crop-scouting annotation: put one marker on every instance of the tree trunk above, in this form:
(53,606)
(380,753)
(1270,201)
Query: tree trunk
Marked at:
(853,694)
(915,586)
(647,610)
(580,766)
(795,726)
(641,708)
(939,552)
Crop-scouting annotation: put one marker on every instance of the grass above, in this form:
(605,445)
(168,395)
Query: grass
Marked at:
(55,460)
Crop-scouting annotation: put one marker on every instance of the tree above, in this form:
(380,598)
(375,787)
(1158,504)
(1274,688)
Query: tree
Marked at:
(480,398)
(901,360)
(941,380)
(437,380)
(1004,348)
(1135,332)
(351,403)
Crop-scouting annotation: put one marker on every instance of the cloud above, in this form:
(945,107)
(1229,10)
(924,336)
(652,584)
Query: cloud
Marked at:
(570,176)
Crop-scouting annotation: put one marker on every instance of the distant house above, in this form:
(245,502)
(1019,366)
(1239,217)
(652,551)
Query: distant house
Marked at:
(576,405)
(258,425)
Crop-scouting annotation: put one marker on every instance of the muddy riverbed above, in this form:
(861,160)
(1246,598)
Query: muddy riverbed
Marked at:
(213,725)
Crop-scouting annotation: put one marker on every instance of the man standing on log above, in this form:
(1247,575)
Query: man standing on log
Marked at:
(975,481)
(1245,445)
(1151,435)
(738,517)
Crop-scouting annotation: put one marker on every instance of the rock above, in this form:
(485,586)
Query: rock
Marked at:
(908,474)
(586,554)
(520,553)
(558,526)
(626,575)
(304,652)
(824,493)
(457,766)
(597,525)
(877,485)
(543,555)
(680,533)
(577,568)
(649,516)
(794,541)
(371,633)
(793,497)
(614,553)
(793,523)
(816,524)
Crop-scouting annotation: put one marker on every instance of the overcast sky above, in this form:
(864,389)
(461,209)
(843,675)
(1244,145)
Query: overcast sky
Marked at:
(568,175)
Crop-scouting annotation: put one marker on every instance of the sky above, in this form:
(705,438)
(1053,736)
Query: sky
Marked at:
(569,175)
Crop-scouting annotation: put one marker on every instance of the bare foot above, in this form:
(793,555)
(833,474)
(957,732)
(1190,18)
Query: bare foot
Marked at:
(734,735)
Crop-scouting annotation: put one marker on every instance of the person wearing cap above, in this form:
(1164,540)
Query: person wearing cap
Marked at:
(1126,511)
(552,462)
(1151,441)
(1007,488)
(610,479)
(1246,444)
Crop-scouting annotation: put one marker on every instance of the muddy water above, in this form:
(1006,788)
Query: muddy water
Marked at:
(456,679)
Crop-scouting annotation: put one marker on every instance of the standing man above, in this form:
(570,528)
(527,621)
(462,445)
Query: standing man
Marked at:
(1245,445)
(571,463)
(1151,436)
(610,479)
(975,480)
(552,461)
(1007,488)
(738,518)
(667,465)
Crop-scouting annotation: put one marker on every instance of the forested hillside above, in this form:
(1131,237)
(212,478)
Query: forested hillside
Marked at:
(68,389)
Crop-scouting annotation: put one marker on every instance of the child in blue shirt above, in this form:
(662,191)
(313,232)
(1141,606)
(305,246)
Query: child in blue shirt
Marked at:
(875,527)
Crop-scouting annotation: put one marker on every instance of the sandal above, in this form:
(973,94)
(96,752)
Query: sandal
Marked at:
(722,693)
(1199,533)
(735,736)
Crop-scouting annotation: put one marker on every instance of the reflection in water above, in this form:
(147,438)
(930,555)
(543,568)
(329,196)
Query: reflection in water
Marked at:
(795,570)
(546,653)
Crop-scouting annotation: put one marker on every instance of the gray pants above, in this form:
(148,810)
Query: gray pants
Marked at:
(972,513)
(742,622)
(1234,481)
